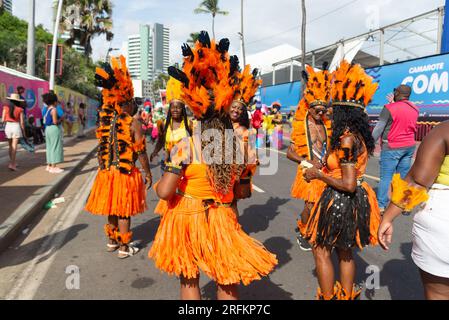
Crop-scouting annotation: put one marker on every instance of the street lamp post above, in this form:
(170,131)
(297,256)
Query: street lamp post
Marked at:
(55,43)
(109,51)
(31,39)
(242,38)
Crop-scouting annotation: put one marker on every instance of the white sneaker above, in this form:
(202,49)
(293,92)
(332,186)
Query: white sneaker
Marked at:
(56,170)
(47,168)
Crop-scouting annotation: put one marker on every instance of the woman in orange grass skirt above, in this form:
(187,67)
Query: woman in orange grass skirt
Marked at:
(199,229)
(119,189)
(347,214)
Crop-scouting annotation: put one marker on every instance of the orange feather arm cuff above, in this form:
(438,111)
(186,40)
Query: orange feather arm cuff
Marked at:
(406,196)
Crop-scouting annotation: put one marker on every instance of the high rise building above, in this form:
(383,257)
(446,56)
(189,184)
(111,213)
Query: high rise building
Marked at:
(161,46)
(7,5)
(148,52)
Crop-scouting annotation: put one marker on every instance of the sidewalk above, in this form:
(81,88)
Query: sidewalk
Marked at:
(24,193)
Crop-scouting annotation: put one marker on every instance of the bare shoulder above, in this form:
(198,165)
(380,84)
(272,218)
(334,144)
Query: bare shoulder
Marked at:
(347,140)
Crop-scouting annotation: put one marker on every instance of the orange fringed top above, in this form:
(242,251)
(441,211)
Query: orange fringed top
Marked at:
(333,167)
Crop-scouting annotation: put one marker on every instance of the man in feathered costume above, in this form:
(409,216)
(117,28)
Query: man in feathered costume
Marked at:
(309,141)
(199,227)
(119,190)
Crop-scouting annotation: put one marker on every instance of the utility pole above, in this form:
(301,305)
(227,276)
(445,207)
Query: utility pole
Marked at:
(242,37)
(303,43)
(54,46)
(31,39)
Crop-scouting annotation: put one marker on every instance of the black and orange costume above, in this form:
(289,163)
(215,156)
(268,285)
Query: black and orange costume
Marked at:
(340,219)
(119,189)
(199,228)
(317,92)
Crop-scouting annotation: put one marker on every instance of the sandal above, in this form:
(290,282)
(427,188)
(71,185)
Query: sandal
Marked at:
(129,253)
(112,247)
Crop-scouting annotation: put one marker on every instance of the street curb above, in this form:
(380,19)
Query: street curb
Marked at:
(11,228)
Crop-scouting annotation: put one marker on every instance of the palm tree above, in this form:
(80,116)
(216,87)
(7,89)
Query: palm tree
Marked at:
(193,38)
(210,7)
(85,19)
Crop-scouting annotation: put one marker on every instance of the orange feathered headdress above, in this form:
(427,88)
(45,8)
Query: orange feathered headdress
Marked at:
(116,82)
(318,87)
(352,86)
(246,85)
(174,90)
(209,77)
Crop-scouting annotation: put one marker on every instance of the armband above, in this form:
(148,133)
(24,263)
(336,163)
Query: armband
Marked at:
(406,196)
(172,168)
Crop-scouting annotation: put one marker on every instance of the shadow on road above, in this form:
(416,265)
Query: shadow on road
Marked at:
(145,232)
(402,277)
(264,289)
(257,217)
(27,252)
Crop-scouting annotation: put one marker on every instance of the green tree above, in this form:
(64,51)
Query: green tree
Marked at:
(160,83)
(86,19)
(78,72)
(210,7)
(193,38)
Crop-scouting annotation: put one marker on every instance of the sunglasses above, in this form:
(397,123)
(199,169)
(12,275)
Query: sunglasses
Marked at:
(320,110)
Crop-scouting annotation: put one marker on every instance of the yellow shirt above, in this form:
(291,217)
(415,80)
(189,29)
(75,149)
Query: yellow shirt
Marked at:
(172,137)
(443,176)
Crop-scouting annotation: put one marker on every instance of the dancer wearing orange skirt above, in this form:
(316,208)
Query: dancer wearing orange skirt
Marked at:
(199,230)
(245,135)
(347,214)
(119,189)
(309,141)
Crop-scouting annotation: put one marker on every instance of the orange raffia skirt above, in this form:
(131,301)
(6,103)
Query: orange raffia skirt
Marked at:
(192,236)
(307,191)
(344,220)
(117,194)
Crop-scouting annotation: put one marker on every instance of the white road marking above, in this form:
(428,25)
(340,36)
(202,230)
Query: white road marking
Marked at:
(258,189)
(32,277)
(371,177)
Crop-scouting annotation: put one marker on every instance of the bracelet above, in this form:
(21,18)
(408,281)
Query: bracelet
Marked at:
(171,168)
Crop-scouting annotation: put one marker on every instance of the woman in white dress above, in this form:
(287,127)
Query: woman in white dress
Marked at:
(427,181)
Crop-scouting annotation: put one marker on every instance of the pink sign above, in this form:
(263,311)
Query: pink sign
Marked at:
(34,89)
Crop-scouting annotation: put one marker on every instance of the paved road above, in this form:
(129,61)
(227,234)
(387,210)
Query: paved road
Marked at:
(61,241)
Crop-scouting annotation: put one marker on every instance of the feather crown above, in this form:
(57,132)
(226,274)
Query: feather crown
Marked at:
(116,82)
(210,78)
(352,86)
(318,87)
(246,85)
(173,90)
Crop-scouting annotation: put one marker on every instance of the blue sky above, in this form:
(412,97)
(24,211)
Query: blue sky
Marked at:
(267,22)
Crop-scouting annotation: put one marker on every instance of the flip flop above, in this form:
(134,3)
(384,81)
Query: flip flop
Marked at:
(129,253)
(112,247)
